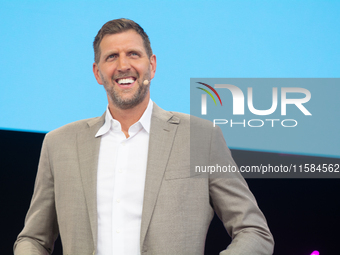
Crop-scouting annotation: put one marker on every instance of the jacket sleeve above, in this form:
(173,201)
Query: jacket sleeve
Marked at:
(41,228)
(236,206)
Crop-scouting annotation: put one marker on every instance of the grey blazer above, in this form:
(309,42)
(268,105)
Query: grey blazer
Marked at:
(177,207)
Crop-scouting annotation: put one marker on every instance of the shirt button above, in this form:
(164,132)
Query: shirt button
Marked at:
(120,170)
(118,231)
(118,200)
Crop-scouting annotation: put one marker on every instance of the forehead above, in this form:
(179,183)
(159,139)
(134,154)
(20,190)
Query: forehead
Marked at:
(123,40)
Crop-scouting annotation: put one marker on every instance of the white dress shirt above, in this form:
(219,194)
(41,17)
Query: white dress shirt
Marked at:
(120,184)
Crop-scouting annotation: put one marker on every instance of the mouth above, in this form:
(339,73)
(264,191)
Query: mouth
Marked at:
(126,82)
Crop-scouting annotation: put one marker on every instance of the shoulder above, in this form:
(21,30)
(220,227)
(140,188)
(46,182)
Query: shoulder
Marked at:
(192,121)
(183,119)
(72,129)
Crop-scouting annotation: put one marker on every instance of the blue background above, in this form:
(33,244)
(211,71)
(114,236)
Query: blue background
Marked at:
(46,54)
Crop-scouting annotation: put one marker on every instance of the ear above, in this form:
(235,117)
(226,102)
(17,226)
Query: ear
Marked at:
(96,73)
(153,65)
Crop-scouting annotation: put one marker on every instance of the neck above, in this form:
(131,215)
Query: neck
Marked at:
(128,117)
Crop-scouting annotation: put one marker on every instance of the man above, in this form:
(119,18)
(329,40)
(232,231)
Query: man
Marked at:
(121,183)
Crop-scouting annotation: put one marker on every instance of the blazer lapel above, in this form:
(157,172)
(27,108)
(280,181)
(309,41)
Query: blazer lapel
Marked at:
(162,133)
(88,151)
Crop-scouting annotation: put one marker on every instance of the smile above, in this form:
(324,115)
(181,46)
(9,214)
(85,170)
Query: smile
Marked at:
(126,80)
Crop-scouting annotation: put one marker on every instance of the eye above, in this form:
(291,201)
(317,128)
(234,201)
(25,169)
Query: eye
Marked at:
(112,56)
(134,54)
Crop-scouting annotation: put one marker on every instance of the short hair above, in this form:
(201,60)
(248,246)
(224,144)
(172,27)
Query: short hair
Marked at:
(118,26)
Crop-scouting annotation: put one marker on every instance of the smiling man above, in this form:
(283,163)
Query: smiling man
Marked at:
(125,67)
(121,183)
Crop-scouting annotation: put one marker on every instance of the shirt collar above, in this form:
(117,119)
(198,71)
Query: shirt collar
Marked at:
(111,123)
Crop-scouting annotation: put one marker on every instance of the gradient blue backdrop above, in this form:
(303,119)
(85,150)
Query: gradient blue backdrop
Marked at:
(46,53)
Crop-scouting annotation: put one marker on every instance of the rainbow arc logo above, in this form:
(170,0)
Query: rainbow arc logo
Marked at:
(208,92)
(204,97)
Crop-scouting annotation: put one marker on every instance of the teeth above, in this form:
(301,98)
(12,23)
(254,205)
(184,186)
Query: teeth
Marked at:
(125,81)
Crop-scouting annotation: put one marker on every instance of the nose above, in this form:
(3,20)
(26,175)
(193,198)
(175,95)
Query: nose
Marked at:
(123,64)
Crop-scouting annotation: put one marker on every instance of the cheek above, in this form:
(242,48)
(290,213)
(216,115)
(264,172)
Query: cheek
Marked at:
(142,67)
(108,70)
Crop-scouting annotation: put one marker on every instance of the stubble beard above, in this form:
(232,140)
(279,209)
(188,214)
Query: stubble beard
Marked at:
(125,103)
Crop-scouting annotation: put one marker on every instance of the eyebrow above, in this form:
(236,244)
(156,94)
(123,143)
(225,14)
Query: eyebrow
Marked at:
(110,52)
